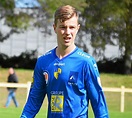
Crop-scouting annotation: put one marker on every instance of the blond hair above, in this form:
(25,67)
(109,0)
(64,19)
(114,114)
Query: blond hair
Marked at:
(64,13)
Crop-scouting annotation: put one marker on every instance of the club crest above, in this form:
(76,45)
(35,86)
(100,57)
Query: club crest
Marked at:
(46,76)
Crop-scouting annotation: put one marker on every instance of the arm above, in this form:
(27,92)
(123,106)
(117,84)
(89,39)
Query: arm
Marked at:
(36,95)
(94,90)
(15,78)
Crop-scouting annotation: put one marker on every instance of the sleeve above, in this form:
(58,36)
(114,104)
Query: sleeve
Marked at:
(15,78)
(94,90)
(36,94)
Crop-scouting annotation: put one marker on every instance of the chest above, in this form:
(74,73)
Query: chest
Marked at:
(61,73)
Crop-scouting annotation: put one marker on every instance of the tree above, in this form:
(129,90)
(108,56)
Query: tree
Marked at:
(105,21)
(19,20)
(110,22)
(51,5)
(11,18)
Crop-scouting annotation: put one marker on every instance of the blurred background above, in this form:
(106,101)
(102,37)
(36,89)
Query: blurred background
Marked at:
(106,26)
(26,33)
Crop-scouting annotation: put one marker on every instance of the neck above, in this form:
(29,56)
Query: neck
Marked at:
(61,53)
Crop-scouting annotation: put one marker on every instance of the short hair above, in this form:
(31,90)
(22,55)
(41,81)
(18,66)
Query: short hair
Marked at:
(64,13)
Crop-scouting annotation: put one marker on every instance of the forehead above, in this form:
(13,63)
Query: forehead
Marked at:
(72,21)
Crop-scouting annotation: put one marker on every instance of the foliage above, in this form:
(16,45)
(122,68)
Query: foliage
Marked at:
(51,5)
(102,22)
(20,19)
(11,18)
(109,22)
(26,60)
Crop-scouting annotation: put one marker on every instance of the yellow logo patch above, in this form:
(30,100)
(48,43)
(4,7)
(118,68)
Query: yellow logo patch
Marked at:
(57,103)
(56,74)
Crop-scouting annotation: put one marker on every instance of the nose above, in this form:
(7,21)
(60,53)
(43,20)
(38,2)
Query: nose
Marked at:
(67,31)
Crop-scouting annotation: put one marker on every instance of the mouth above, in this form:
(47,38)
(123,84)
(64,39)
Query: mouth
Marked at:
(67,39)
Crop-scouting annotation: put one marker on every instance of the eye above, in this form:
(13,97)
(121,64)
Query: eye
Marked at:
(72,27)
(62,27)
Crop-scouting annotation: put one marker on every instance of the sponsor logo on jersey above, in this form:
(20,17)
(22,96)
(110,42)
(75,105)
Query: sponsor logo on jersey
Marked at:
(73,78)
(57,101)
(59,64)
(47,53)
(56,73)
(83,54)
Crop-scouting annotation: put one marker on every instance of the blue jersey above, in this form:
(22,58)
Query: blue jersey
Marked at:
(70,83)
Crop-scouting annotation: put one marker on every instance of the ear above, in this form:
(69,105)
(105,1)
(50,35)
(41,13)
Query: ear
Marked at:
(54,26)
(78,26)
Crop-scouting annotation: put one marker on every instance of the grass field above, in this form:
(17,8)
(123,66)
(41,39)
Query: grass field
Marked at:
(15,113)
(108,80)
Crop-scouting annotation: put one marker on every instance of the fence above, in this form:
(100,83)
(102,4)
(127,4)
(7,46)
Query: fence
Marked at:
(18,85)
(123,90)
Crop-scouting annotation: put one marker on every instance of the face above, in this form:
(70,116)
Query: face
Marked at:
(66,32)
(11,71)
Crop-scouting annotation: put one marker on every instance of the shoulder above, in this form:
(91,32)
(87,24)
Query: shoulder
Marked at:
(48,55)
(84,56)
(88,60)
(46,59)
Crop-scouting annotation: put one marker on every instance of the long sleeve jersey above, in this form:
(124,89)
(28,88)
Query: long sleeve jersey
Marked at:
(70,83)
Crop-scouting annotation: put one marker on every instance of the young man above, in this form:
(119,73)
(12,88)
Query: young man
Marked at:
(68,76)
(12,78)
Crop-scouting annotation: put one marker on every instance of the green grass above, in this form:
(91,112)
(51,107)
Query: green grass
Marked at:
(16,112)
(12,112)
(107,80)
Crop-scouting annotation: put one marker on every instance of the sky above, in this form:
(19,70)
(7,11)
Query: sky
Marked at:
(26,3)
